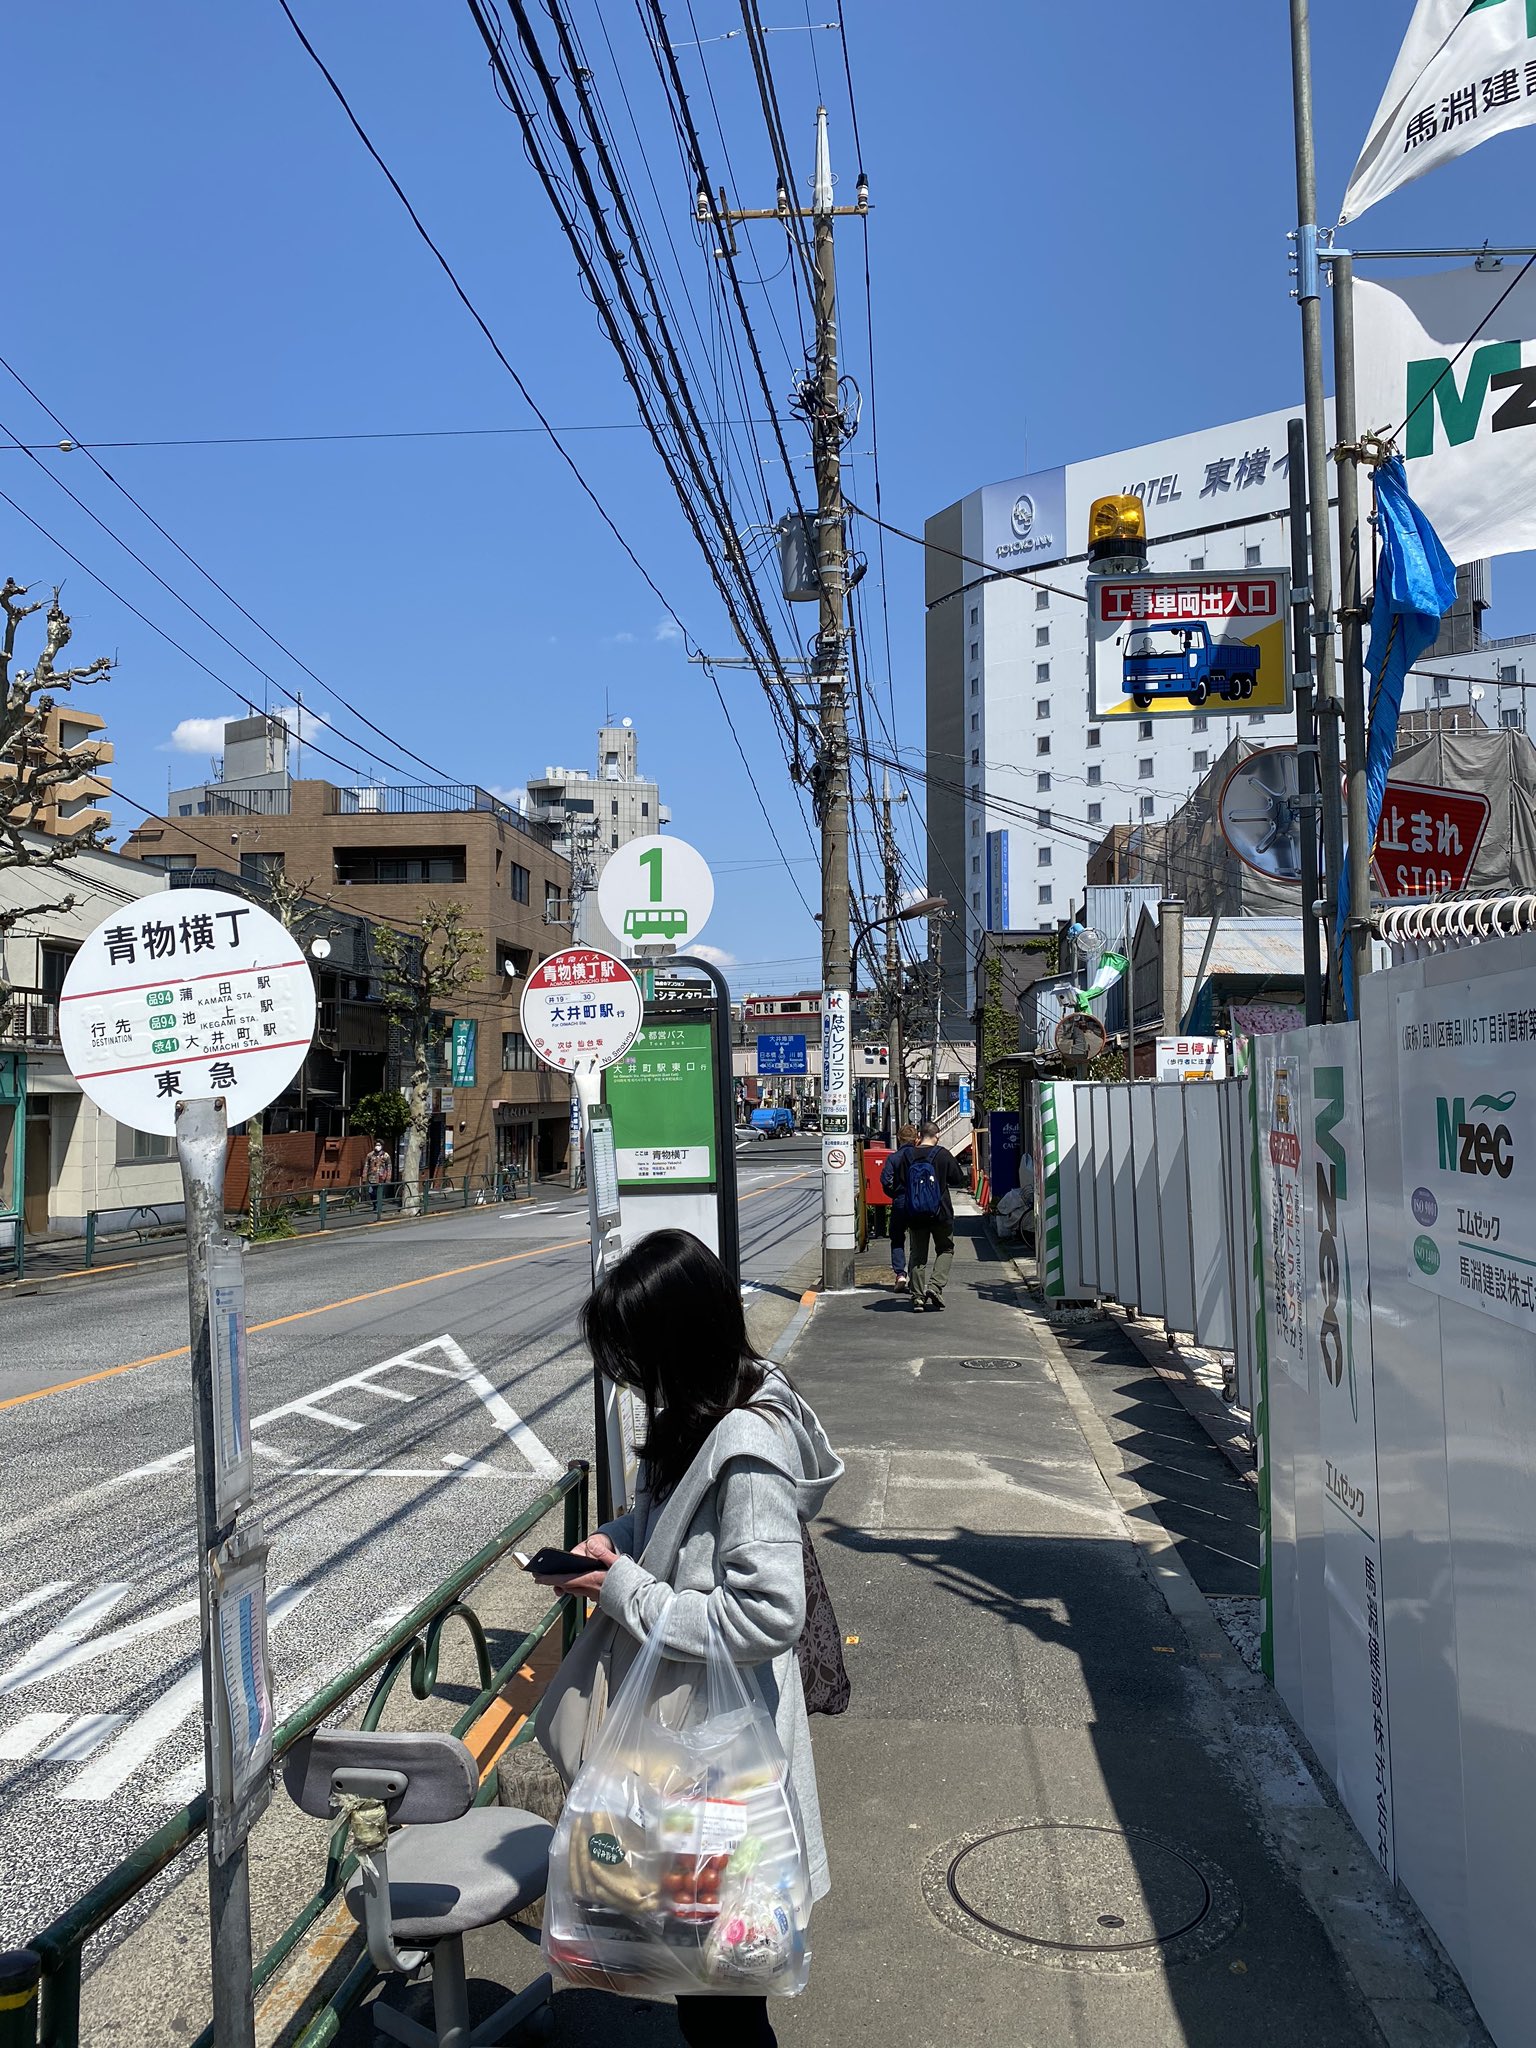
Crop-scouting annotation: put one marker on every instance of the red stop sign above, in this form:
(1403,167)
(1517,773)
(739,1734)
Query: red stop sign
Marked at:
(1427,839)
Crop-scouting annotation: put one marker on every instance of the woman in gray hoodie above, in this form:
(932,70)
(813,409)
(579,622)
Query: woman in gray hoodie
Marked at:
(732,1464)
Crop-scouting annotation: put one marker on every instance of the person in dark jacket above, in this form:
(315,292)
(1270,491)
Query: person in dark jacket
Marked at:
(930,1217)
(891,1179)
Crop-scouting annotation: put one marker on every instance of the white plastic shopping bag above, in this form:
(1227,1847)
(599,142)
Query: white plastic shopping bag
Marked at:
(679,1862)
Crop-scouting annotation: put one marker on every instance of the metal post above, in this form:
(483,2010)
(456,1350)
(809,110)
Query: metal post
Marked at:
(1357,935)
(1308,294)
(838,1220)
(200,1131)
(1306,722)
(90,1237)
(727,1214)
(19,1972)
(937,930)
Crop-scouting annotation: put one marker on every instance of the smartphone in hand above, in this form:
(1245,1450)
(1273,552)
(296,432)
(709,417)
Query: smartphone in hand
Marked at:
(559,1564)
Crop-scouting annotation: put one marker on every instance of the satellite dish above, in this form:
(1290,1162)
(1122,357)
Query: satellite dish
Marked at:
(1080,1036)
(1260,813)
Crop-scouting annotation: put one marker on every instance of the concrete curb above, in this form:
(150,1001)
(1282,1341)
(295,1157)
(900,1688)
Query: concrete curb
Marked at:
(1403,1978)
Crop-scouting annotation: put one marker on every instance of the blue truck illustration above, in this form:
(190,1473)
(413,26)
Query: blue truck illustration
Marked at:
(1178,658)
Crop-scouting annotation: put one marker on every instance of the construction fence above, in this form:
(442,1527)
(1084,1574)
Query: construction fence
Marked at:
(1355,1219)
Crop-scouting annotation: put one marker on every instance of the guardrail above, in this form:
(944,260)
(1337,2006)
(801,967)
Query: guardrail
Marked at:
(40,1986)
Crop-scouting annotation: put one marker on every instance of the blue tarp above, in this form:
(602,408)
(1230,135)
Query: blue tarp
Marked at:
(1415,588)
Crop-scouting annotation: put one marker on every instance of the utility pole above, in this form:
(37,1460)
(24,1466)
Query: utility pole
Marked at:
(1352,615)
(1309,299)
(895,1056)
(937,930)
(822,402)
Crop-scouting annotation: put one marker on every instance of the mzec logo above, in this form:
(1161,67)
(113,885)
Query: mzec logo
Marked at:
(1475,1145)
(1336,1345)
(1432,387)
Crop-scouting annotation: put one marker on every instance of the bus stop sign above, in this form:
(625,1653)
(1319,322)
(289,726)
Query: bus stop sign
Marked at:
(656,892)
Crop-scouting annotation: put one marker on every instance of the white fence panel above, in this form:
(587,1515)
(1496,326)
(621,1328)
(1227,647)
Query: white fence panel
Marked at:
(1103,1192)
(1173,1206)
(1123,1175)
(1213,1292)
(1149,1247)
(1087,1190)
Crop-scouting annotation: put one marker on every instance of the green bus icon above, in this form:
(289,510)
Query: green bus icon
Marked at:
(655,924)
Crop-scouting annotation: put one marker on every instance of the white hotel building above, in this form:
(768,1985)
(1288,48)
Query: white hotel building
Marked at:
(1022,783)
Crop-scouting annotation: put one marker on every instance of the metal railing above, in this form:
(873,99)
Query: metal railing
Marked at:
(29,1017)
(50,2016)
(384,799)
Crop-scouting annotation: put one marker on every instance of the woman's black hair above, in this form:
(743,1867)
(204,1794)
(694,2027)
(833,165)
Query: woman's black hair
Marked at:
(667,1321)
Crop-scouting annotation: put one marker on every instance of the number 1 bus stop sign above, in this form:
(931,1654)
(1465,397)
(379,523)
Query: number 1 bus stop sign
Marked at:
(656,892)
(186,993)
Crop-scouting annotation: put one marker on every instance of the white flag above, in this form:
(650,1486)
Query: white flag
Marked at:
(1467,70)
(1463,413)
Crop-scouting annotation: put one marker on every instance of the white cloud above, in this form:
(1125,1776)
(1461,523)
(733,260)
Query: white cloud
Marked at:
(195,736)
(715,955)
(517,798)
(669,629)
(618,639)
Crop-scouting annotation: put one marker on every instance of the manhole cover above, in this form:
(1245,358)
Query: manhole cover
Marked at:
(989,1364)
(1081,1895)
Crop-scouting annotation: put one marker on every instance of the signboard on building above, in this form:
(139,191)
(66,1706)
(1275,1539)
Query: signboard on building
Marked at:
(662,1095)
(1169,643)
(581,1009)
(997,881)
(1191,1059)
(835,1062)
(656,892)
(1427,839)
(1468,1127)
(466,1031)
(1024,521)
(189,993)
(781,1052)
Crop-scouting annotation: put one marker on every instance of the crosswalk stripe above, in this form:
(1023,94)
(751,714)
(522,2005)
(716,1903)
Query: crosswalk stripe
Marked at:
(52,1653)
(28,1734)
(36,1598)
(79,1740)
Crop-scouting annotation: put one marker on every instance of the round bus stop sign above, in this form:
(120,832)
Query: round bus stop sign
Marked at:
(188,992)
(656,892)
(581,1009)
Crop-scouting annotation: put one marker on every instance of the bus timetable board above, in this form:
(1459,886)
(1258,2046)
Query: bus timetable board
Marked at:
(662,1094)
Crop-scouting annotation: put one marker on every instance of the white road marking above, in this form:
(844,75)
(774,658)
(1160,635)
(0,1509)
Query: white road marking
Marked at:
(79,1741)
(28,1733)
(33,1599)
(536,1455)
(56,1653)
(52,1652)
(143,1736)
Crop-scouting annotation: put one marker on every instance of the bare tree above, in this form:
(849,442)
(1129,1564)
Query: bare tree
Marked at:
(290,903)
(425,966)
(31,772)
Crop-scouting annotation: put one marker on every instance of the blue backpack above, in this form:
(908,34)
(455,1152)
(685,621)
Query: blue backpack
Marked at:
(924,1195)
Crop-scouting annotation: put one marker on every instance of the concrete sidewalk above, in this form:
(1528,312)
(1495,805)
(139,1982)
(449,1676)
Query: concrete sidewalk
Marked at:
(1061,1809)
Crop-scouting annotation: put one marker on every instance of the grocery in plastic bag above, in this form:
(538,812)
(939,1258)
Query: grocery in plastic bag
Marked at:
(679,1862)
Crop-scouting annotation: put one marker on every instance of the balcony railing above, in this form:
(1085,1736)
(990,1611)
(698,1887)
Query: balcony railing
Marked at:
(385,799)
(246,803)
(28,1017)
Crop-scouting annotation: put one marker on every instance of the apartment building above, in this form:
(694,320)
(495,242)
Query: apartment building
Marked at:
(389,851)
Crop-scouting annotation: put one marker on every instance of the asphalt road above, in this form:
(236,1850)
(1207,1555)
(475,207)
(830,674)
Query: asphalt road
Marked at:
(412,1388)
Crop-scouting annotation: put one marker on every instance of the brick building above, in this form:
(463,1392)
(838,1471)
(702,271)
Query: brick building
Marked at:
(389,851)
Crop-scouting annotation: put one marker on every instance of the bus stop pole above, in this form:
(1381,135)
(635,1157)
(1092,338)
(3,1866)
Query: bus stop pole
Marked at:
(727,1212)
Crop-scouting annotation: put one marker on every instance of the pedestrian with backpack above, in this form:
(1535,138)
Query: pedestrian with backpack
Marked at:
(930,1172)
(893,1181)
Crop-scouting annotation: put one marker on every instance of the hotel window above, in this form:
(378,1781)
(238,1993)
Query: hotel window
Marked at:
(975,649)
(1042,636)
(1043,782)
(1042,707)
(1197,561)
(975,828)
(975,721)
(975,863)
(1255,718)
(1095,775)
(1144,729)
(975,899)
(1144,768)
(1147,807)
(1202,761)
(1094,735)
(975,686)
(1042,856)
(1252,557)
(975,757)
(1042,671)
(1043,820)
(1095,814)
(1043,893)
(1042,600)
(1043,744)
(974,615)
(1200,722)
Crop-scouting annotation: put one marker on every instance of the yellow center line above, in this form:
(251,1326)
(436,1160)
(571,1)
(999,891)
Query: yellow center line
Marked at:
(300,1315)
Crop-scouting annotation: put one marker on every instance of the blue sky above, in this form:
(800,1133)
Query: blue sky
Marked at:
(1078,244)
